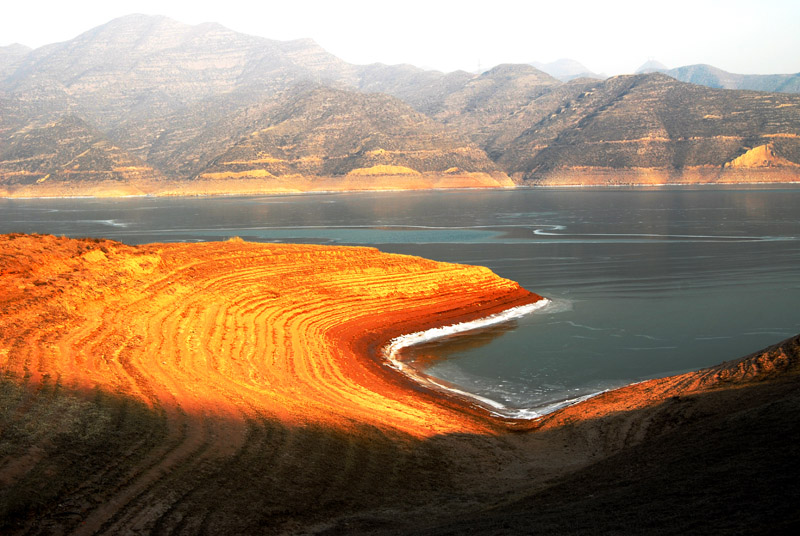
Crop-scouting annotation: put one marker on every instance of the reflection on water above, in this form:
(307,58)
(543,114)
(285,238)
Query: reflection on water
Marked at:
(424,356)
(644,282)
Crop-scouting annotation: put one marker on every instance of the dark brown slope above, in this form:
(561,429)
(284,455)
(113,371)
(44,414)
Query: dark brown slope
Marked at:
(67,157)
(654,127)
(717,452)
(731,467)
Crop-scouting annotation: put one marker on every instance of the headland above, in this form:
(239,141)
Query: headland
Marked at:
(140,385)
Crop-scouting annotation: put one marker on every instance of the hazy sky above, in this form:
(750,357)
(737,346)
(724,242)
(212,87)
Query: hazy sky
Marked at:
(606,36)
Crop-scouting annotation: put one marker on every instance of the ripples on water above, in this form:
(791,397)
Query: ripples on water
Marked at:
(643,283)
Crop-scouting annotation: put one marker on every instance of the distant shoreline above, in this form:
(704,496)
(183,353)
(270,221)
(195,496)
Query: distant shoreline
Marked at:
(280,193)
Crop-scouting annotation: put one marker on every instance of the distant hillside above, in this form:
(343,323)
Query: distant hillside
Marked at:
(658,129)
(424,90)
(710,76)
(327,132)
(10,57)
(707,75)
(566,70)
(488,103)
(184,103)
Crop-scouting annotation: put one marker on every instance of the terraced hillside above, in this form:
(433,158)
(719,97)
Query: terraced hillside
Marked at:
(652,128)
(208,352)
(236,388)
(67,157)
(316,137)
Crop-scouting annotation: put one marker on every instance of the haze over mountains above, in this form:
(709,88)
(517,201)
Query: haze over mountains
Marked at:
(708,75)
(566,69)
(144,104)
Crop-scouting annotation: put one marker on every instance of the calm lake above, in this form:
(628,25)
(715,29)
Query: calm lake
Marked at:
(644,283)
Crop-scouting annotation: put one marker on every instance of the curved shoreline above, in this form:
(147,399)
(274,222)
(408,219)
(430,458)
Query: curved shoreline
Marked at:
(391,350)
(141,384)
(532,185)
(236,327)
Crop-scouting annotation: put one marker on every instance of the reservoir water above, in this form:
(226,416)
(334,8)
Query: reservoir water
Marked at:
(643,283)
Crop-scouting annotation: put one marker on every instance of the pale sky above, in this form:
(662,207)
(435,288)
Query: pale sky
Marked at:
(612,37)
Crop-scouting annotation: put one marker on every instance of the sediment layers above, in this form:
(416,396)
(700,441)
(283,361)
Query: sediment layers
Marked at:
(238,328)
(349,183)
(701,175)
(237,388)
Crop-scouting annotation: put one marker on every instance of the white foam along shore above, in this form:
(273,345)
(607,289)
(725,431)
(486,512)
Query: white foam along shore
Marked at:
(419,337)
(393,347)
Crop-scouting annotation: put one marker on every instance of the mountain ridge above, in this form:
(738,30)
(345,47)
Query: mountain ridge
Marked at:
(566,69)
(180,98)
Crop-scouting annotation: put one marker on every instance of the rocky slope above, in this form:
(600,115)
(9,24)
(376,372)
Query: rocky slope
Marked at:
(66,157)
(234,388)
(188,100)
(325,133)
(146,66)
(652,128)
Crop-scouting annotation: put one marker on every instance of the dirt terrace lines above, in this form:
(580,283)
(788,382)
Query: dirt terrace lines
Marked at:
(237,329)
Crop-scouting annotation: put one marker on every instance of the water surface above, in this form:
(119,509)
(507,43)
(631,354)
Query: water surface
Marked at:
(644,283)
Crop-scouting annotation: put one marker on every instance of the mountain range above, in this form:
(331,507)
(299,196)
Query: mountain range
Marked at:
(145,104)
(701,74)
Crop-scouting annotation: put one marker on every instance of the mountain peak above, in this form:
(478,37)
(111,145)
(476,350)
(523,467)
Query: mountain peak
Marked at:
(566,69)
(513,70)
(651,66)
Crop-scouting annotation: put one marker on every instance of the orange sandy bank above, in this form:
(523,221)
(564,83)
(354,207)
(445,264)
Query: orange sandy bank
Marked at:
(239,329)
(234,388)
